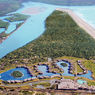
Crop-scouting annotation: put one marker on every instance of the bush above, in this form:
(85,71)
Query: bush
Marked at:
(64,64)
(17,74)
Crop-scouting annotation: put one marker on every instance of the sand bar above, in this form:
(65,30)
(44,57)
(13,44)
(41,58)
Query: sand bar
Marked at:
(83,24)
(34,10)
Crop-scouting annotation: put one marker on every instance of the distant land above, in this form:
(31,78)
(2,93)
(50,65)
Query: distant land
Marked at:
(7,6)
(67,2)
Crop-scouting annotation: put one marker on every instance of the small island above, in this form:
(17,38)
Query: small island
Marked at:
(17,17)
(64,64)
(16,74)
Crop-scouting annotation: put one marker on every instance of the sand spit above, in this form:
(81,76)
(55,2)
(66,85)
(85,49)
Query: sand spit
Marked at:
(88,28)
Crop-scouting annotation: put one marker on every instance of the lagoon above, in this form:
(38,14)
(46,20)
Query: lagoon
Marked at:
(7,75)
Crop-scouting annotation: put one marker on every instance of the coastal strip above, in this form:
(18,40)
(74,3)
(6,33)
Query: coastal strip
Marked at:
(80,22)
(4,38)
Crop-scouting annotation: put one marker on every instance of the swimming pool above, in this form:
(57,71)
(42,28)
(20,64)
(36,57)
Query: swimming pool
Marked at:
(7,75)
(67,73)
(81,81)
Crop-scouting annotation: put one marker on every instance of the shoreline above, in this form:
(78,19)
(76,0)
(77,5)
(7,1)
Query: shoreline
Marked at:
(1,40)
(80,22)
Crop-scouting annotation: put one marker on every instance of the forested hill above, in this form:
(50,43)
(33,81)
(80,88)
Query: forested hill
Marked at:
(62,37)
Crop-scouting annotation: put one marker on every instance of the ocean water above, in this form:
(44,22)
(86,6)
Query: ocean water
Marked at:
(87,13)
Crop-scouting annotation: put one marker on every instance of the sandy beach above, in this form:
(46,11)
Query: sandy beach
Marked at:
(34,10)
(88,28)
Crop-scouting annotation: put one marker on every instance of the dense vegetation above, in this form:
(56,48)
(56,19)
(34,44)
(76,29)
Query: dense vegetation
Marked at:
(63,37)
(4,24)
(17,17)
(17,74)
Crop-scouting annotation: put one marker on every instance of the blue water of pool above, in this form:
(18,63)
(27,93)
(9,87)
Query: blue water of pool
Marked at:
(81,81)
(7,75)
(45,72)
(66,71)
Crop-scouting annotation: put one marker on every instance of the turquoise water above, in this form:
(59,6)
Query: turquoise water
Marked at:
(86,13)
(7,75)
(81,81)
(66,71)
(29,31)
(2,30)
(12,26)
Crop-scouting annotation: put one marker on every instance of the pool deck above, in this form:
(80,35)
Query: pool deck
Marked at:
(73,85)
(83,24)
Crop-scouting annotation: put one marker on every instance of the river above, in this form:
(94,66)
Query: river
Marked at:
(35,25)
